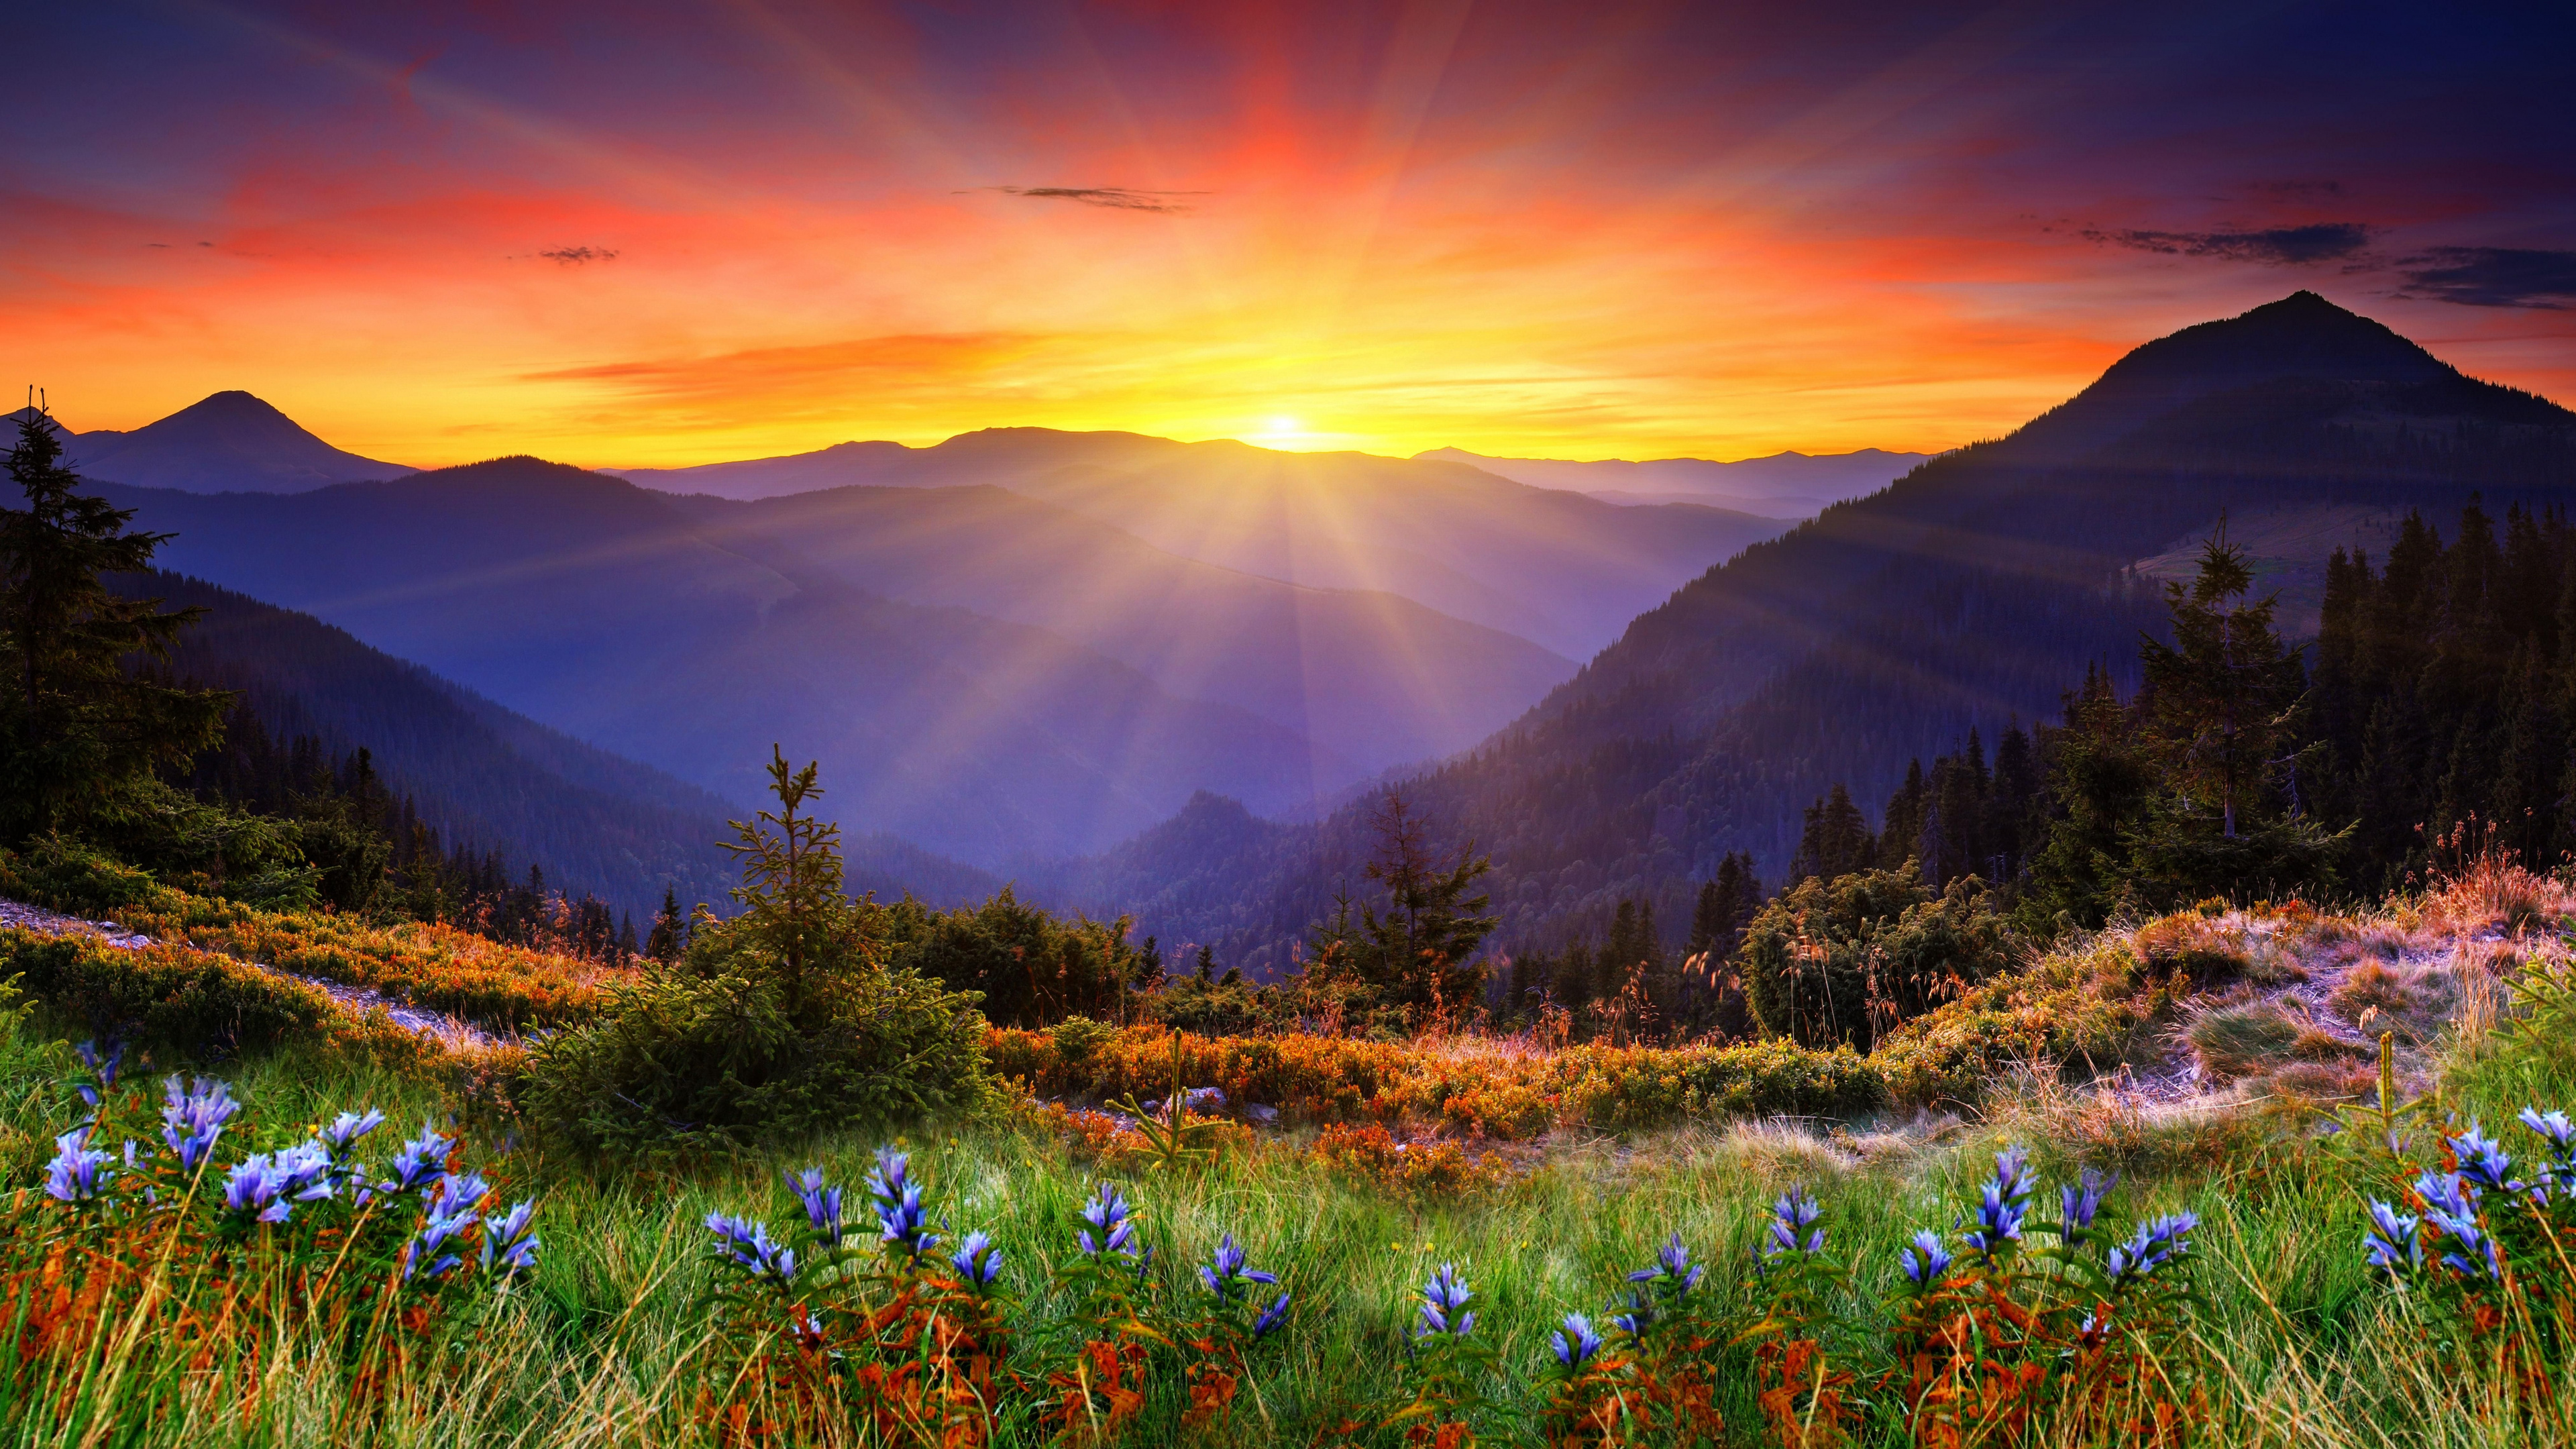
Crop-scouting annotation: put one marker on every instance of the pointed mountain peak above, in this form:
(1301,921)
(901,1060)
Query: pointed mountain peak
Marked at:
(2302,337)
(231,441)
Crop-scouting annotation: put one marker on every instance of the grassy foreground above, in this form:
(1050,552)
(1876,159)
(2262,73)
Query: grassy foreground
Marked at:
(2305,1349)
(611,1339)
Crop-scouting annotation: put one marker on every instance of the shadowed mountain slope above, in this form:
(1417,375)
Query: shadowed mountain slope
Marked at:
(1967,596)
(599,609)
(230,442)
(1372,678)
(1559,569)
(485,775)
(1784,485)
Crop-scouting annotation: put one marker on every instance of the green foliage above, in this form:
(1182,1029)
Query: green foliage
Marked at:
(1227,1007)
(1847,960)
(63,873)
(1416,962)
(76,725)
(1029,966)
(776,1023)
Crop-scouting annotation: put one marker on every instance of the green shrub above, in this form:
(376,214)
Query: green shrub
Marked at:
(1846,960)
(165,998)
(65,874)
(1220,1008)
(776,1023)
(1028,966)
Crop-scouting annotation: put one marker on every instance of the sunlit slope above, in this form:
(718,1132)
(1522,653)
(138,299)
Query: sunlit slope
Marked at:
(594,606)
(1969,595)
(1557,568)
(1371,677)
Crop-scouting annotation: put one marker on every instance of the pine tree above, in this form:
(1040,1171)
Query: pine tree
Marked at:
(669,939)
(2223,690)
(79,732)
(1836,841)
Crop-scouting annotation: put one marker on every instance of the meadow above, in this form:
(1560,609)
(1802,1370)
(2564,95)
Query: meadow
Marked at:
(1564,1173)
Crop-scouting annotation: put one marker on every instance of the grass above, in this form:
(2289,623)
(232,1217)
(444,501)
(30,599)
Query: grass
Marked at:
(609,1343)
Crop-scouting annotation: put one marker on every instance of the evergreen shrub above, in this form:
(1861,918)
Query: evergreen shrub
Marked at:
(1846,960)
(165,998)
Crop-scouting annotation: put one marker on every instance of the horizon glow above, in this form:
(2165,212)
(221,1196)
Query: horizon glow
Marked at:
(661,235)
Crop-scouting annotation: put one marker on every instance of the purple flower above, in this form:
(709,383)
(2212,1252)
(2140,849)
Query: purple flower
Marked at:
(1271,1318)
(346,1129)
(1575,1343)
(1112,1220)
(509,1247)
(1673,1267)
(265,1186)
(2078,1206)
(1226,1276)
(978,1261)
(192,1118)
(1641,1312)
(2392,1241)
(1925,1260)
(102,1069)
(748,1245)
(2150,1248)
(900,1215)
(1792,1216)
(2451,1206)
(822,1203)
(420,1163)
(2484,1163)
(2005,1202)
(2558,1174)
(74,1175)
(1444,1305)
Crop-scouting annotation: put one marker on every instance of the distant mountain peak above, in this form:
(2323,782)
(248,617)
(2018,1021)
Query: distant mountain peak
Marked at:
(230,441)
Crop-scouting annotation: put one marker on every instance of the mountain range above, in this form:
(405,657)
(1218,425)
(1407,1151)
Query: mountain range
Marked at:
(1964,598)
(1784,485)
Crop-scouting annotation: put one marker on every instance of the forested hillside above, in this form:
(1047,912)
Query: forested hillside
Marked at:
(483,777)
(1972,594)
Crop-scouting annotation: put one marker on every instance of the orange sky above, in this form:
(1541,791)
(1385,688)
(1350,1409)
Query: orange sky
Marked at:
(1625,230)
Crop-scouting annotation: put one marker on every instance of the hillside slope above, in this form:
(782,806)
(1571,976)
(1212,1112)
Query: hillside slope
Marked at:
(1967,596)
(1557,568)
(593,606)
(485,775)
(1374,679)
(229,442)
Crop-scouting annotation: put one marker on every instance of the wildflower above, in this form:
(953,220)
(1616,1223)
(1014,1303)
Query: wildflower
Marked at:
(1444,1305)
(74,1175)
(421,1162)
(2150,1248)
(822,1203)
(749,1245)
(2392,1241)
(2078,1206)
(978,1261)
(191,1119)
(457,1195)
(1925,1260)
(1225,1274)
(899,1211)
(2558,1174)
(346,1129)
(1575,1343)
(265,1186)
(2003,1205)
(2451,1206)
(509,1247)
(1673,1265)
(1793,1214)
(1641,1312)
(2484,1162)
(1110,1216)
(102,1069)
(1271,1318)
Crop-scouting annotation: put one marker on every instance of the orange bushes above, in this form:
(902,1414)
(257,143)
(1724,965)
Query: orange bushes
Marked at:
(1408,1169)
(1489,1088)
(427,965)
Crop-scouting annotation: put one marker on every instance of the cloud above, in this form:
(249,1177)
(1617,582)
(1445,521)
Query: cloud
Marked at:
(1118,198)
(2493,277)
(2285,246)
(575,256)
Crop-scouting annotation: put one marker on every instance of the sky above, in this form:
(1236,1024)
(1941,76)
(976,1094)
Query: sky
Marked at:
(658,234)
